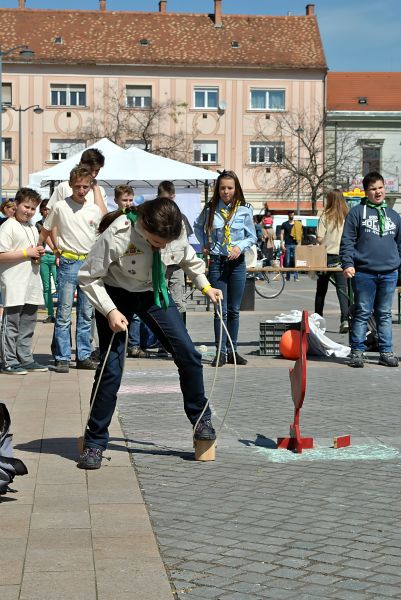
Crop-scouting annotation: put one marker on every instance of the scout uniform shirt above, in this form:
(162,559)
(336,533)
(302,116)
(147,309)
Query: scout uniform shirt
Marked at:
(122,258)
(20,281)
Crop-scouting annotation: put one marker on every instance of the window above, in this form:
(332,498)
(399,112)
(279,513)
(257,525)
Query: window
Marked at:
(370,159)
(67,95)
(6,93)
(268,153)
(205,152)
(138,96)
(267,100)
(141,144)
(6,147)
(206,97)
(62,149)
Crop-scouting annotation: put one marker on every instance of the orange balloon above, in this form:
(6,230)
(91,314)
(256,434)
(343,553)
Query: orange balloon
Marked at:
(290,344)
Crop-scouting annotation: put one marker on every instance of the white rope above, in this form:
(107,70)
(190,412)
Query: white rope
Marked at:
(210,395)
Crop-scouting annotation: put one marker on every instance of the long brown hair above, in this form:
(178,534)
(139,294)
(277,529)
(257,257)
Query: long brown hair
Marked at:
(336,209)
(239,198)
(160,217)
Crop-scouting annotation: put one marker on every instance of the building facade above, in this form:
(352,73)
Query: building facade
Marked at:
(363,131)
(203,88)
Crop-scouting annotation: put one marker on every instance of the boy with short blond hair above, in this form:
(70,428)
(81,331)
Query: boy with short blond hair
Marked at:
(123,196)
(20,285)
(76,221)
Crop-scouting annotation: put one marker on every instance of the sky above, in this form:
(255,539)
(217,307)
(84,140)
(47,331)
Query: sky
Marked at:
(357,35)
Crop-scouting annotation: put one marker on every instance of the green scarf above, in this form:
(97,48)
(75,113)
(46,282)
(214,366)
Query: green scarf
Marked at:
(158,277)
(381,213)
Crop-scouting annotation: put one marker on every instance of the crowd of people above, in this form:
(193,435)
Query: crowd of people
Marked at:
(125,272)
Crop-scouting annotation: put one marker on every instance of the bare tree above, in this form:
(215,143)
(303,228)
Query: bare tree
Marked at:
(155,128)
(308,163)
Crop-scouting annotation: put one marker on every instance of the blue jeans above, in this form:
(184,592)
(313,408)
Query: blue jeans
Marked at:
(139,335)
(169,328)
(289,260)
(229,276)
(67,281)
(373,291)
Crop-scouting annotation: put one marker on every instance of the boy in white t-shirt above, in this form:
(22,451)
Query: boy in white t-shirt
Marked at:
(76,221)
(21,286)
(93,160)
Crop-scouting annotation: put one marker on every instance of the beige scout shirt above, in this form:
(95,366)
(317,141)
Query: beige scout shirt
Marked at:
(328,235)
(76,225)
(20,281)
(63,191)
(122,257)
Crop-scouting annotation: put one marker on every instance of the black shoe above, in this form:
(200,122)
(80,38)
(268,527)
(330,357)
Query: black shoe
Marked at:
(356,359)
(87,364)
(388,359)
(90,459)
(204,430)
(222,360)
(49,319)
(238,359)
(62,366)
(137,352)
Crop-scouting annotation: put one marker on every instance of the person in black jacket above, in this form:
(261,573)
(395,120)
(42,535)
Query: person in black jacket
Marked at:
(370,254)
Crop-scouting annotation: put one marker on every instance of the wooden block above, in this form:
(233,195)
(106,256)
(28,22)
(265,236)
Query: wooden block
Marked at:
(342,441)
(80,444)
(205,450)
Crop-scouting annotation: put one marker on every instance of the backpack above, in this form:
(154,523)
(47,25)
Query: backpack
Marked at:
(9,466)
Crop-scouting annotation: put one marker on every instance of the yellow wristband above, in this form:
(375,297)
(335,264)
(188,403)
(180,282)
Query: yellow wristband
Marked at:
(56,251)
(25,253)
(206,288)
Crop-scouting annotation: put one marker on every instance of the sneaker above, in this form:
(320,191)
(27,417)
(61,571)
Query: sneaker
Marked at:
(34,366)
(222,360)
(14,370)
(388,359)
(137,352)
(238,359)
(344,327)
(49,319)
(62,366)
(356,359)
(204,430)
(87,364)
(91,458)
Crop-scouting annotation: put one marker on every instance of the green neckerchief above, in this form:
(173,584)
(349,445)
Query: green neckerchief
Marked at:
(158,276)
(381,213)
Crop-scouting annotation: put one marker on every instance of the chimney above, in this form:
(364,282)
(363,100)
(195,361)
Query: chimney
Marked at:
(163,6)
(102,5)
(310,10)
(21,3)
(217,13)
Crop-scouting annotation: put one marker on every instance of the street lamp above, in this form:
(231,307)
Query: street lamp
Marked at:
(299,132)
(37,110)
(25,52)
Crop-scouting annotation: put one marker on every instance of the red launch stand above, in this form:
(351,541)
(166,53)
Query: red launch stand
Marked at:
(298,387)
(295,441)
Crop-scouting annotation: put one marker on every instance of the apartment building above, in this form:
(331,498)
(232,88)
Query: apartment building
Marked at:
(218,81)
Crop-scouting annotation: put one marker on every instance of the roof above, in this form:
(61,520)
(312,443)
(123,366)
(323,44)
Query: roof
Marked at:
(182,39)
(382,91)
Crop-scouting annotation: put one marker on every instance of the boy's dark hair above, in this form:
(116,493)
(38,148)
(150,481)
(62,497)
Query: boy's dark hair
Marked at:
(26,193)
(166,187)
(370,178)
(119,190)
(92,158)
(159,217)
(79,172)
(43,204)
(291,212)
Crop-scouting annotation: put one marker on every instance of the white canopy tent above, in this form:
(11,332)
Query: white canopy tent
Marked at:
(135,166)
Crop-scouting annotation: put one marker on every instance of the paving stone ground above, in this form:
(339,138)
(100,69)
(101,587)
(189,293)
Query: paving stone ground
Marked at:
(321,526)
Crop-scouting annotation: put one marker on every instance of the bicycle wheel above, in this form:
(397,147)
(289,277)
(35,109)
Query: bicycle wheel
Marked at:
(269,285)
